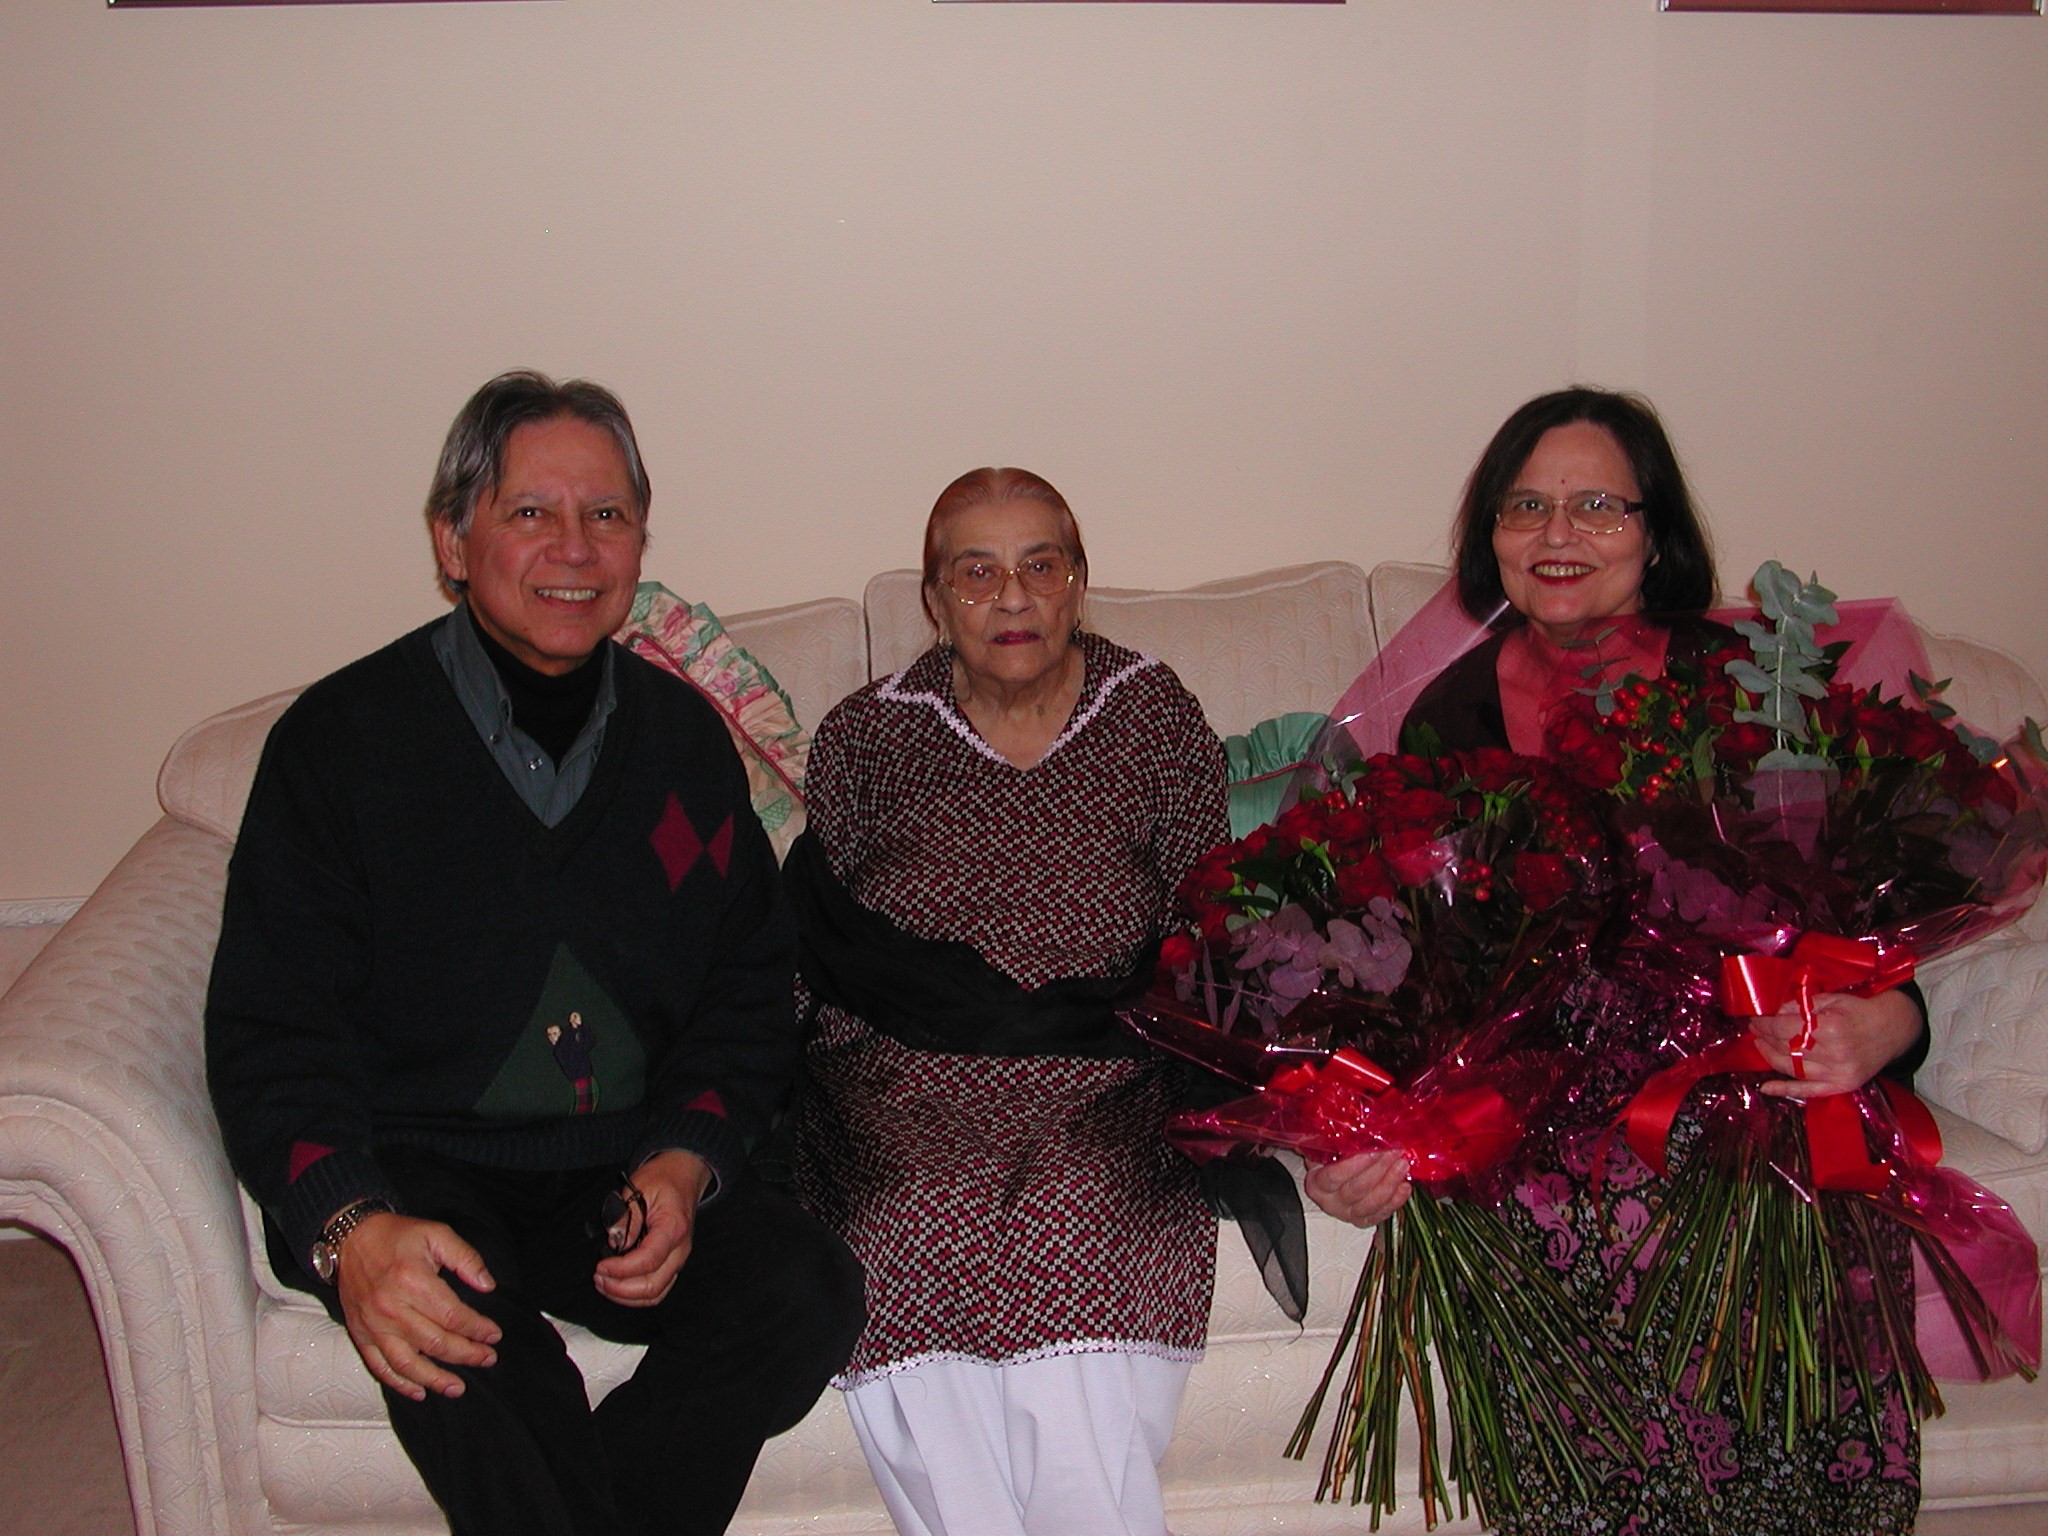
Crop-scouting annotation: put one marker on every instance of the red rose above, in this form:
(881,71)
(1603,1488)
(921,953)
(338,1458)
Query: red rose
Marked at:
(1493,770)
(1415,858)
(1301,823)
(1741,745)
(1364,878)
(1177,952)
(1875,728)
(1987,786)
(1593,756)
(1351,826)
(1542,880)
(1210,876)
(1922,738)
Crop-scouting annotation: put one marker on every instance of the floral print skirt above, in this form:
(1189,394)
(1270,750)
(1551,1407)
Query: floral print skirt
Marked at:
(1705,1476)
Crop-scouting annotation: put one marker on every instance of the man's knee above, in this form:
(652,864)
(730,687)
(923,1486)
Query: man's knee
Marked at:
(779,1284)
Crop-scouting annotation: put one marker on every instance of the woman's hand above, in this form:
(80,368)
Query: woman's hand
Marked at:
(1364,1190)
(1854,1039)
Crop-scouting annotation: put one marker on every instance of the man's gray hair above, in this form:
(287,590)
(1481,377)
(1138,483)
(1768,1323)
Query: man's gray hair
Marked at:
(473,457)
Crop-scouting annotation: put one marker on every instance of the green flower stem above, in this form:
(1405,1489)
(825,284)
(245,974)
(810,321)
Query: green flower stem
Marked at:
(1451,1277)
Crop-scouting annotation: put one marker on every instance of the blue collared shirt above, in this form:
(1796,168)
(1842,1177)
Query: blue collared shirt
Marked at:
(550,789)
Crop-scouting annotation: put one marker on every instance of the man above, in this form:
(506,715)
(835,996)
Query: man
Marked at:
(501,1001)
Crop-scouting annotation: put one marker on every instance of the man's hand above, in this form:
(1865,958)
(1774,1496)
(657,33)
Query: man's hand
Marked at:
(673,1182)
(405,1320)
(1854,1039)
(1364,1189)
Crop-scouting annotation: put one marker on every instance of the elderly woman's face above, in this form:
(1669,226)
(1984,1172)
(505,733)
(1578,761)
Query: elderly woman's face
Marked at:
(1017,637)
(1555,576)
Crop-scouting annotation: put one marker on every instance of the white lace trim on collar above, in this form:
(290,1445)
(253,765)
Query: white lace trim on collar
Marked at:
(894,692)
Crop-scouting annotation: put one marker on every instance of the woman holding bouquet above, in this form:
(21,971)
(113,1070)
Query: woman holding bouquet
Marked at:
(996,836)
(1578,541)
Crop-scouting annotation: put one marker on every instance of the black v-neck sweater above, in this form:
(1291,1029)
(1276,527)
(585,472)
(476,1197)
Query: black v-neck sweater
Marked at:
(408,955)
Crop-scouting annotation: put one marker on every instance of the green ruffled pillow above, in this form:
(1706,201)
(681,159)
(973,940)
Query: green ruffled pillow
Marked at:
(688,640)
(1262,763)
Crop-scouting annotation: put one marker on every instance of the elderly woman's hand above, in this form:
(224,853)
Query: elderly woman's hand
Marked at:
(1854,1039)
(1363,1190)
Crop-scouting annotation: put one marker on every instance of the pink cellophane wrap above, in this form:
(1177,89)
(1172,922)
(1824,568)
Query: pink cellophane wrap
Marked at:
(1458,1120)
(1689,916)
(1884,647)
(1367,720)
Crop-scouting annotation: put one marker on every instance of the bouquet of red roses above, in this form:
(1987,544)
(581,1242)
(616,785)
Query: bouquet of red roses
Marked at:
(1793,833)
(1385,964)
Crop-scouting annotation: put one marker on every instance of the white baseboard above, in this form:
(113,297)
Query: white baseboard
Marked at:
(38,912)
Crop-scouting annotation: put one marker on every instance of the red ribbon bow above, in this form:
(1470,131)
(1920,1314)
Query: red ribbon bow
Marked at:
(1754,985)
(1444,1135)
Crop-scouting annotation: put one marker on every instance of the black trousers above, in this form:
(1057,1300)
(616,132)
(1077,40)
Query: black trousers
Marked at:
(765,1309)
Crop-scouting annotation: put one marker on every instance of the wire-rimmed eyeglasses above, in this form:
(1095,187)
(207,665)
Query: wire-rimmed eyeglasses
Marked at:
(974,580)
(1588,511)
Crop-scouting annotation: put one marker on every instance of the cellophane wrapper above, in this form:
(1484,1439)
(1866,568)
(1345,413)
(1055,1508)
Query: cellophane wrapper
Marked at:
(1906,842)
(1398,985)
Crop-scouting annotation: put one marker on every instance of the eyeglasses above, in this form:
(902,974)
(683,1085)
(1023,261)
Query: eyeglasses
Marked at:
(982,581)
(1588,512)
(621,1220)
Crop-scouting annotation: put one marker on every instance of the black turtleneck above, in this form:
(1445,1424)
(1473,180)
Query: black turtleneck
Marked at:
(548,708)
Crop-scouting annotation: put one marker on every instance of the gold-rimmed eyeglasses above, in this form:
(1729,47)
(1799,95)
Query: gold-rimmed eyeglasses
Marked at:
(1588,512)
(975,580)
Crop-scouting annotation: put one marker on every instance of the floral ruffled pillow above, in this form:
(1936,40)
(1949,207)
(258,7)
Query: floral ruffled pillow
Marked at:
(688,640)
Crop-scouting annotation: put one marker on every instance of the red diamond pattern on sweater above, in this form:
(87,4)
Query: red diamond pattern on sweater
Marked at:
(676,842)
(304,1155)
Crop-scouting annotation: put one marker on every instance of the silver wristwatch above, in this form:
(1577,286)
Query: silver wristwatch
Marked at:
(327,1251)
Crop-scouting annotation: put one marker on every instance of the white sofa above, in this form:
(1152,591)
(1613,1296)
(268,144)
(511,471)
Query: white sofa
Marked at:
(243,1410)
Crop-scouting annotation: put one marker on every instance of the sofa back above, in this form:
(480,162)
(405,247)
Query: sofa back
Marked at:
(1991,689)
(816,650)
(1249,647)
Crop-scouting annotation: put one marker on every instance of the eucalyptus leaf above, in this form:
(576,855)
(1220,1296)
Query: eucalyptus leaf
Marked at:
(1776,589)
(2030,733)
(1749,675)
(1982,748)
(1781,757)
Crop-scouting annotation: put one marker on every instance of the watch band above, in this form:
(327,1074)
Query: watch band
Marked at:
(327,1251)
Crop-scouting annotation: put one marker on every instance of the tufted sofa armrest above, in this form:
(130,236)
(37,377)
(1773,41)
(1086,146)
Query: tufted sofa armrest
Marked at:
(1989,1057)
(108,1142)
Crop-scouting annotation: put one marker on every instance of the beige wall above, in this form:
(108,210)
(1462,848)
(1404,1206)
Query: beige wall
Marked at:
(1250,282)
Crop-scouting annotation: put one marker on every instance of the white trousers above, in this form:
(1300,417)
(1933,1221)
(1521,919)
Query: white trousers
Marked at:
(1064,1446)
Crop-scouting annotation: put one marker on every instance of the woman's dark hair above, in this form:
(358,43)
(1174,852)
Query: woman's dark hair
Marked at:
(1680,575)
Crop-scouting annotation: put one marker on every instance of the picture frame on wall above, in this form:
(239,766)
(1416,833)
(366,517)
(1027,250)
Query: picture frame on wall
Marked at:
(1138,2)
(1868,7)
(148,5)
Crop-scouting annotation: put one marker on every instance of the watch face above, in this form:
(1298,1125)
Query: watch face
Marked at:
(324,1261)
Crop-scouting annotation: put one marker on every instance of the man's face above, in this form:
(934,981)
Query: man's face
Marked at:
(553,554)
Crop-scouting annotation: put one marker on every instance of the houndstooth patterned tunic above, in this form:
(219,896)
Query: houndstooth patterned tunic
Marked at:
(1010,1208)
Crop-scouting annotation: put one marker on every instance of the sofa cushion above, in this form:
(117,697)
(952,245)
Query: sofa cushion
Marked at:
(1396,592)
(1989,1058)
(814,650)
(1248,647)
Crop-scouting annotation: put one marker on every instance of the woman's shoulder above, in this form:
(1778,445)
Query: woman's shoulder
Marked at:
(1133,680)
(1462,702)
(874,704)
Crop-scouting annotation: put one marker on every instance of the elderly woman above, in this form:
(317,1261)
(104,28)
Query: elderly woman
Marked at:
(1578,531)
(996,836)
